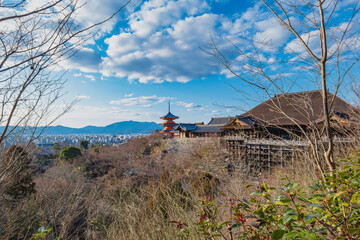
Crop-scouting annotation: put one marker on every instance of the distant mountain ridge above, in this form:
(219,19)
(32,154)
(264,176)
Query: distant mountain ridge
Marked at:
(125,127)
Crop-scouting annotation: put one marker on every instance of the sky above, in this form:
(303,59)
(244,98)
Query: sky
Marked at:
(156,51)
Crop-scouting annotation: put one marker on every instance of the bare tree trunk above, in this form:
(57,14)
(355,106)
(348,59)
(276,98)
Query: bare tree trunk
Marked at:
(329,153)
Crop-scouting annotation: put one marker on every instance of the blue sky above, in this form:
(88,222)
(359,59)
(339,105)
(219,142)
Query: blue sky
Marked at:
(151,54)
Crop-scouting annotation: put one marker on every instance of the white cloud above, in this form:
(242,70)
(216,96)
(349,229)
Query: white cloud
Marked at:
(271,33)
(122,43)
(161,42)
(310,38)
(161,45)
(214,113)
(77,74)
(129,95)
(85,59)
(83,97)
(159,14)
(95,11)
(188,105)
(191,106)
(90,77)
(245,22)
(142,101)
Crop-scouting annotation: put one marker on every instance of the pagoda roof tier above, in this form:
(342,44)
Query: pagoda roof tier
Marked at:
(169,116)
(169,124)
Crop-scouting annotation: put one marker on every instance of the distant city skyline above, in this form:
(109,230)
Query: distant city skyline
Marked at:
(151,54)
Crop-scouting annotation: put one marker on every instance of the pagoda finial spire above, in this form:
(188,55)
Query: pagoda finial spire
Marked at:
(169,106)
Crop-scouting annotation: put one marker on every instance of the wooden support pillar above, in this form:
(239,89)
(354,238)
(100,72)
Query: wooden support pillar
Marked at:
(269,158)
(246,156)
(259,158)
(293,158)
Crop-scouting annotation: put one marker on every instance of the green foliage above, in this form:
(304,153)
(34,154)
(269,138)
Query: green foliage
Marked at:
(17,179)
(84,144)
(56,148)
(69,154)
(330,210)
(95,147)
(42,233)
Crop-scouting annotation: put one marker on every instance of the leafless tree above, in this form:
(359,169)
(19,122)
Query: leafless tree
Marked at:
(34,40)
(324,50)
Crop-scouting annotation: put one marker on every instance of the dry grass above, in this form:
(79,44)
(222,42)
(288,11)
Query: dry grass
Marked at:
(133,191)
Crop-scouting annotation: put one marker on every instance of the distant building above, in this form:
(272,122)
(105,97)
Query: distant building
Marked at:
(212,129)
(169,124)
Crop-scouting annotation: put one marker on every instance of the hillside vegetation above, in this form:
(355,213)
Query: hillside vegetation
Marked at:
(148,188)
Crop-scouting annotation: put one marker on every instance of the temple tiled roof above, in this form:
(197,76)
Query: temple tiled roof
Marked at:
(187,126)
(206,129)
(242,122)
(249,120)
(219,121)
(302,107)
(170,116)
(169,124)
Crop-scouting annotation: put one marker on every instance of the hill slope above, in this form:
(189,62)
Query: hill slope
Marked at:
(126,127)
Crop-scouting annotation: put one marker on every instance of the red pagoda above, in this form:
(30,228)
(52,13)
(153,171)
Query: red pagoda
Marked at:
(169,123)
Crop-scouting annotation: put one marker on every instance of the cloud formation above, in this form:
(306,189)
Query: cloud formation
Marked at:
(90,77)
(82,97)
(161,44)
(161,41)
(188,105)
(142,101)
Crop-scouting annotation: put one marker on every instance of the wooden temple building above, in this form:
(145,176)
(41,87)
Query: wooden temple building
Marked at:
(289,116)
(273,131)
(212,129)
(283,117)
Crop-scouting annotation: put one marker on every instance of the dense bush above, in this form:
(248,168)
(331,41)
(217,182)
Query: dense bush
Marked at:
(84,144)
(206,184)
(68,154)
(330,209)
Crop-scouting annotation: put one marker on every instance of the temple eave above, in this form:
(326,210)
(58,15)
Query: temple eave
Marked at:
(168,118)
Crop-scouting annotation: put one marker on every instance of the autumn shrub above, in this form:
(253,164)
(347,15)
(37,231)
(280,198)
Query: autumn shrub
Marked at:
(130,191)
(167,189)
(62,201)
(205,184)
(126,192)
(328,209)
(16,175)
